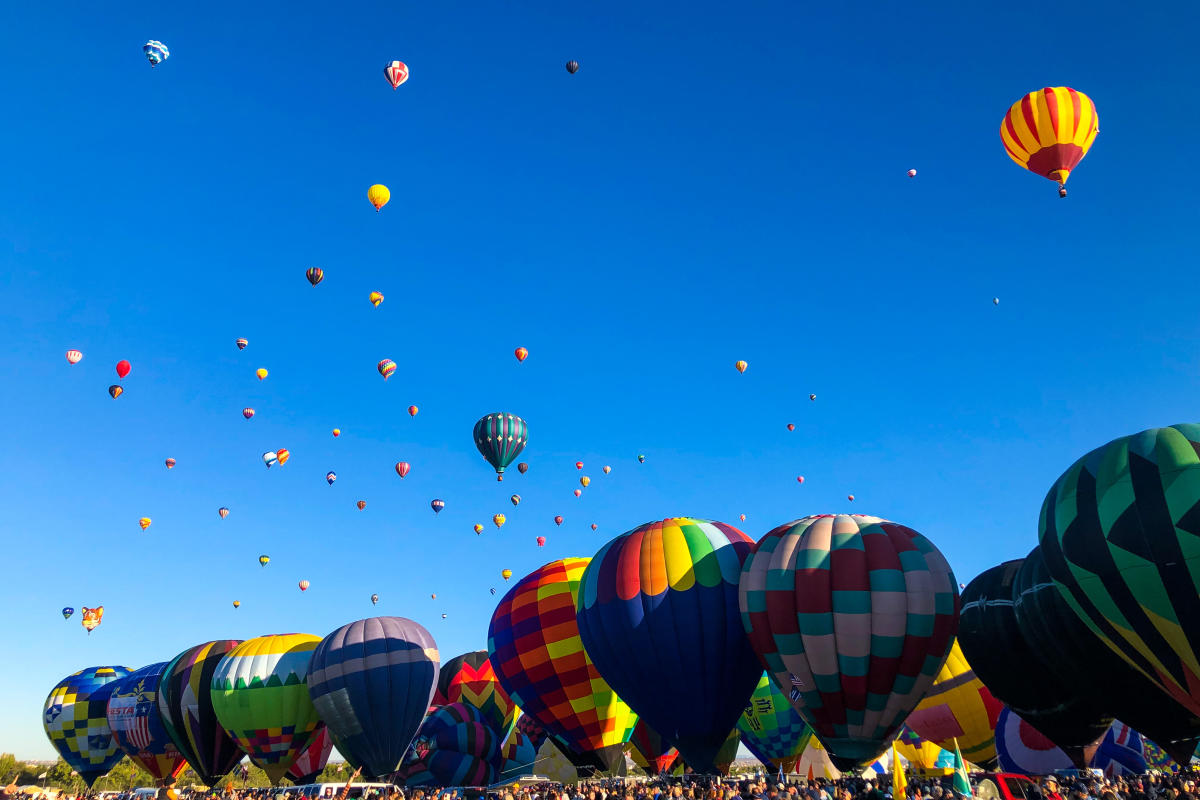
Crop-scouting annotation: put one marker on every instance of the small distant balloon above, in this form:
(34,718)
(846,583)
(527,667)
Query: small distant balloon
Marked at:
(92,618)
(386,367)
(379,195)
(156,52)
(170,462)
(396,73)
(995,301)
(443,616)
(263,560)
(315,275)
(67,612)
(515,499)
(412,411)
(337,432)
(850,497)
(641,459)
(374,599)
(740,366)
(498,520)
(912,173)
(237,603)
(330,477)
(506,573)
(606,469)
(144,522)
(585,481)
(799,479)
(594,526)
(437,506)
(376,298)
(578,465)
(742,517)
(241,343)
(812,397)
(303,586)
(522,468)
(270,458)
(282,455)
(478,529)
(247,412)
(578,492)
(223,512)
(433,597)
(115,391)
(572,67)
(791,427)
(558,519)
(493,590)
(261,373)
(402,468)
(521,353)
(361,504)
(541,541)
(74,356)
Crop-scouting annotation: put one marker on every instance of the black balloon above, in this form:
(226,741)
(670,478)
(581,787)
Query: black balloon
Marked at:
(572,67)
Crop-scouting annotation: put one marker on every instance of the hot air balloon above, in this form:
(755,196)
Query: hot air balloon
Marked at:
(506,574)
(241,343)
(959,709)
(74,356)
(585,481)
(437,506)
(534,625)
(186,708)
(261,373)
(76,721)
(371,682)
(379,195)
(850,497)
(493,590)
(402,468)
(498,520)
(170,462)
(515,499)
(518,754)
(443,616)
(594,526)
(521,353)
(1025,750)
(247,412)
(1006,662)
(259,687)
(453,747)
(742,517)
(1048,132)
(376,298)
(578,465)
(337,432)
(1115,531)
(791,427)
(995,301)
(263,560)
(144,523)
(303,586)
(136,724)
(740,366)
(578,492)
(522,468)
(812,397)
(469,679)
(374,601)
(558,520)
(500,438)
(156,52)
(386,367)
(309,764)
(673,585)
(330,477)
(606,469)
(849,684)
(572,67)
(361,504)
(641,459)
(282,455)
(771,728)
(92,618)
(67,612)
(315,275)
(237,603)
(478,529)
(541,541)
(397,73)
(912,173)
(223,512)
(412,411)
(115,391)
(650,751)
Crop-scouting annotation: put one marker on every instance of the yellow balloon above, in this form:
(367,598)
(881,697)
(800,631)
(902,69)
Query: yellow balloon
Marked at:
(959,709)
(376,298)
(144,522)
(506,573)
(498,520)
(584,481)
(379,195)
(261,373)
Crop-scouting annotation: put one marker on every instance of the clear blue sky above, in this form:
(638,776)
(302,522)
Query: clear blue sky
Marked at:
(718,182)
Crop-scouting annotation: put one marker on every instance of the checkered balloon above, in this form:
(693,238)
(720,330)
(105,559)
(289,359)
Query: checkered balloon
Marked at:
(76,721)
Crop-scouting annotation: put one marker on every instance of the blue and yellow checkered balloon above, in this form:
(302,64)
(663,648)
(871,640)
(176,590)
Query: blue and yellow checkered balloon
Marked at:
(76,723)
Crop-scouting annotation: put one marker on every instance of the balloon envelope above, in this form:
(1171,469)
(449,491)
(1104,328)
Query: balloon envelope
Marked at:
(76,721)
(136,723)
(1048,132)
(771,729)
(500,438)
(959,709)
(371,681)
(651,751)
(671,588)
(469,679)
(186,709)
(308,764)
(454,747)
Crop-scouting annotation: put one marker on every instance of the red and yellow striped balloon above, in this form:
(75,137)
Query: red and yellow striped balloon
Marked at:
(1049,131)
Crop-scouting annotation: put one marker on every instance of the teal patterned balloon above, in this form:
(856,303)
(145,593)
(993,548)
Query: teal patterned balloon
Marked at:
(771,729)
(500,438)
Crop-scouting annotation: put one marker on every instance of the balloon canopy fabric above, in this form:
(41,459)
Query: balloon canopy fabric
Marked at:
(1048,132)
(959,709)
(1121,752)
(922,753)
(518,756)
(1120,532)
(186,708)
(536,652)
(76,721)
(1077,657)
(308,765)
(992,641)
(671,588)
(136,723)
(853,616)
(649,750)
(371,682)
(771,729)
(1023,749)
(454,747)
(261,699)
(500,438)
(469,679)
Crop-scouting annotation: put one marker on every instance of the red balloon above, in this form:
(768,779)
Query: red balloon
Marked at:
(402,468)
(578,465)
(594,526)
(850,497)
(791,427)
(578,492)
(247,412)
(123,368)
(412,411)
(799,479)
(541,541)
(558,520)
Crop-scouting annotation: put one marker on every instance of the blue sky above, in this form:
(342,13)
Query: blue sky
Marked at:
(716,183)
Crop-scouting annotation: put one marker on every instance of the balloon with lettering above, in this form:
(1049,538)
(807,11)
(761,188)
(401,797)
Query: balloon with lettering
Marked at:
(136,722)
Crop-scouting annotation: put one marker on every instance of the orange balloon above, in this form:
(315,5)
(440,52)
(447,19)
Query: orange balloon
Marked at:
(740,366)
(261,373)
(412,411)
(361,504)
(521,353)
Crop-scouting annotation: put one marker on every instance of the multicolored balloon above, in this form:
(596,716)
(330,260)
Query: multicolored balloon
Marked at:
(558,520)
(740,366)
(304,585)
(156,52)
(241,343)
(673,586)
(361,504)
(186,708)
(136,723)
(309,764)
(247,412)
(521,353)
(651,751)
(170,462)
(371,682)
(76,721)
(263,560)
(412,411)
(891,592)
(515,499)
(959,709)
(437,506)
(386,367)
(469,679)
(771,729)
(67,612)
(115,391)
(282,455)
(402,468)
(1048,132)
(396,72)
(376,298)
(330,477)
(223,512)
(454,747)
(500,438)
(572,67)
(92,617)
(270,458)
(74,356)
(540,661)
(144,523)
(261,699)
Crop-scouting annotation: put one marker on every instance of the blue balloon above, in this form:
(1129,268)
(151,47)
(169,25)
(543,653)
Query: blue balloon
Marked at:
(371,682)
(67,612)
(137,725)
(76,721)
(454,747)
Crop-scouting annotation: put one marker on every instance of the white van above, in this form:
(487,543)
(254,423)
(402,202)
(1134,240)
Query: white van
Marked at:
(329,791)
